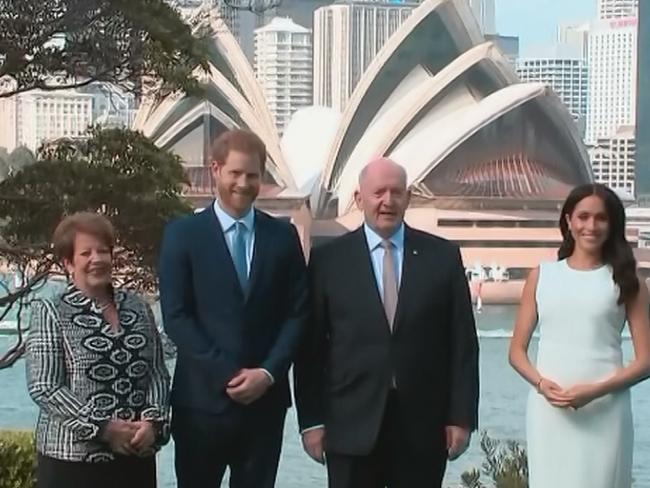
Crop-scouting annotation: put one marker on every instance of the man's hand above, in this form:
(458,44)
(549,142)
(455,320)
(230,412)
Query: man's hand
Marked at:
(457,441)
(119,434)
(248,385)
(144,438)
(313,441)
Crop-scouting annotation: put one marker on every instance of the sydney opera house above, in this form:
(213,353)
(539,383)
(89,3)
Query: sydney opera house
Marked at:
(489,159)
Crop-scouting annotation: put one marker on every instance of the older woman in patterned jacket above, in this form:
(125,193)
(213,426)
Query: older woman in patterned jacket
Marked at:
(95,368)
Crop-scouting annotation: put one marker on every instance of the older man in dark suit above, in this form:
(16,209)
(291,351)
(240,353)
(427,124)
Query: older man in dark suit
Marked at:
(387,376)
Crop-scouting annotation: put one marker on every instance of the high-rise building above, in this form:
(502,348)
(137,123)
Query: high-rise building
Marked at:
(508,45)
(484,11)
(575,35)
(612,159)
(643,106)
(565,70)
(300,11)
(347,37)
(612,55)
(616,9)
(230,16)
(32,118)
(283,66)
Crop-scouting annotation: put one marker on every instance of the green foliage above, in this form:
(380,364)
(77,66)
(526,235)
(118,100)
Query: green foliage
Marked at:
(17,460)
(4,163)
(53,44)
(116,172)
(505,465)
(20,158)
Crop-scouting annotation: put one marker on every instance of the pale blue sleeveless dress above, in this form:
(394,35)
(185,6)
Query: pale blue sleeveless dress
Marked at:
(580,327)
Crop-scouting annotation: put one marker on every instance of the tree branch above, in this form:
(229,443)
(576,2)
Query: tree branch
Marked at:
(24,291)
(15,352)
(50,88)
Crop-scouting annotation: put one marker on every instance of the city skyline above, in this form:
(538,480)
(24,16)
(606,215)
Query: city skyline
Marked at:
(537,26)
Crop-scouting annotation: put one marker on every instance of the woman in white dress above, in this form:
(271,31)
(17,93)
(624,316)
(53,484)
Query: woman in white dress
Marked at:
(579,418)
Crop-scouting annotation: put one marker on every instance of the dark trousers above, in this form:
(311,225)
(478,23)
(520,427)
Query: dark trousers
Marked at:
(248,440)
(123,472)
(394,462)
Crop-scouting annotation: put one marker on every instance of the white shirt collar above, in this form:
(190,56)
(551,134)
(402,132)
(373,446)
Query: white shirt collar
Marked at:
(374,240)
(227,221)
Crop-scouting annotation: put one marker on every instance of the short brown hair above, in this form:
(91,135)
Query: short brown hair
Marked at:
(87,222)
(238,140)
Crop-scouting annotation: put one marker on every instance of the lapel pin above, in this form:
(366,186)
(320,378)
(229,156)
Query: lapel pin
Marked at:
(415,252)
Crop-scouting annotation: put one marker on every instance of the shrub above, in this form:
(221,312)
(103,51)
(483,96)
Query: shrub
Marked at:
(17,459)
(505,465)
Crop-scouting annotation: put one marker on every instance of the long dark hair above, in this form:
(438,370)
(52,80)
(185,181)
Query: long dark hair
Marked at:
(616,251)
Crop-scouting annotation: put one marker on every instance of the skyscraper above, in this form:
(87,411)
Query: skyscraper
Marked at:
(643,107)
(300,11)
(565,70)
(612,48)
(347,37)
(484,10)
(615,9)
(283,66)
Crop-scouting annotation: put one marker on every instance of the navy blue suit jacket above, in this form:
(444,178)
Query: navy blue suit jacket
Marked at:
(217,328)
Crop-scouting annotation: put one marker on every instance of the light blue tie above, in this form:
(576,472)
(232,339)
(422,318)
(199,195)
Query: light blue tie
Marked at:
(239,254)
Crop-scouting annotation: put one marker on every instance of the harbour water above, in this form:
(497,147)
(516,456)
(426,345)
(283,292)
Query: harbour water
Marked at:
(502,410)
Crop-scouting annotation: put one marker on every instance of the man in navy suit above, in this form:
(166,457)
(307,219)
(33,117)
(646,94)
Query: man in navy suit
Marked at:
(233,291)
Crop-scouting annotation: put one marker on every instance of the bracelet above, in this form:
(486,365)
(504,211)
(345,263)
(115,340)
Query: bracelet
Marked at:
(538,384)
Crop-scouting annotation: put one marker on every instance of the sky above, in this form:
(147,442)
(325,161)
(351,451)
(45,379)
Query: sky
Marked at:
(535,21)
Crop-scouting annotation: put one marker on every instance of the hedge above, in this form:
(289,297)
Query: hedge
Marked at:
(17,459)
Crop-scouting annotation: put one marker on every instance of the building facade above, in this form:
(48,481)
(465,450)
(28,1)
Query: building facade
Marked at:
(283,67)
(643,107)
(300,11)
(565,70)
(616,9)
(347,37)
(32,118)
(612,160)
(485,13)
(612,56)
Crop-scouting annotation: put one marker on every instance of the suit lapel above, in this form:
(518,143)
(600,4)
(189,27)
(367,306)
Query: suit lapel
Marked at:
(362,271)
(217,241)
(409,265)
(263,240)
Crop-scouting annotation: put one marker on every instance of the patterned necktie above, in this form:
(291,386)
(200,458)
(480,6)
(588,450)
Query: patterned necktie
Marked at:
(239,254)
(389,282)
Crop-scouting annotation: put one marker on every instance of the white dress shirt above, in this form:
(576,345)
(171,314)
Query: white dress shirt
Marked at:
(374,241)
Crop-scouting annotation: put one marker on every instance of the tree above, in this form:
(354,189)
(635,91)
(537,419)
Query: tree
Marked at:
(116,172)
(4,163)
(20,158)
(135,44)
